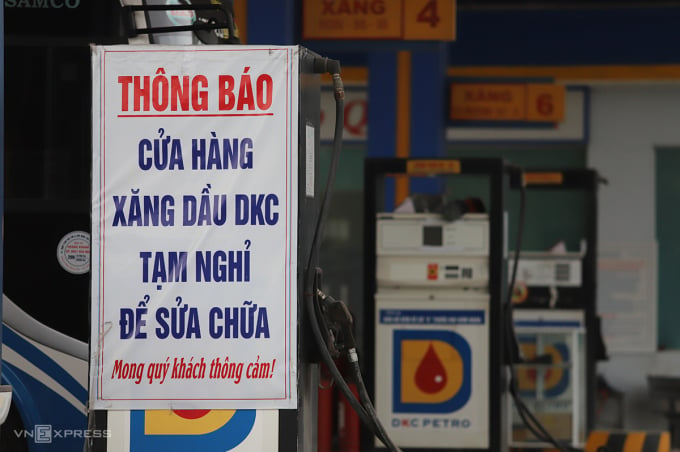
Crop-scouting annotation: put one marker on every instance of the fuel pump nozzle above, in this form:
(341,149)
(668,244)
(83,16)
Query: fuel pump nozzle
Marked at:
(339,322)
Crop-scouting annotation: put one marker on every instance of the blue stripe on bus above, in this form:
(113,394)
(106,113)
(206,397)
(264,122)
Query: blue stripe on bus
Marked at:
(40,406)
(44,362)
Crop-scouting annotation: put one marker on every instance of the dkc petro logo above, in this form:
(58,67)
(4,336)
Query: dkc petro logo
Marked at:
(555,376)
(183,430)
(432,371)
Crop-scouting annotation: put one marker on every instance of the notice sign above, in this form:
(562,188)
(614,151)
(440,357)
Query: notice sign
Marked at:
(194,238)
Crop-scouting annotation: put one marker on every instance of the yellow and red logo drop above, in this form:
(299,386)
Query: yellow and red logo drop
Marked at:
(520,293)
(432,371)
(555,377)
(182,430)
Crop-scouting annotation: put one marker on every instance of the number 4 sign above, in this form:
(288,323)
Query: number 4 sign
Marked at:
(430,20)
(380,19)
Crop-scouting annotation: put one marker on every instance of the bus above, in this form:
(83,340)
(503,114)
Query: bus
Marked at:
(47,195)
(47,371)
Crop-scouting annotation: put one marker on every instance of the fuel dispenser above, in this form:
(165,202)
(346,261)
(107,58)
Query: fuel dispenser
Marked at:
(554,310)
(434,288)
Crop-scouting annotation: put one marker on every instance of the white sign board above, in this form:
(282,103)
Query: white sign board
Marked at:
(194,236)
(627,295)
